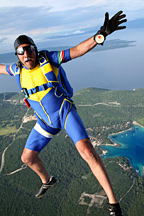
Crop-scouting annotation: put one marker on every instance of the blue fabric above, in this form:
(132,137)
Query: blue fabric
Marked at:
(54,111)
(64,81)
(46,127)
(11,69)
(39,88)
(53,56)
(65,109)
(74,128)
(36,141)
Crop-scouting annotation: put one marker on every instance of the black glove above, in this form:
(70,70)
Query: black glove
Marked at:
(111,25)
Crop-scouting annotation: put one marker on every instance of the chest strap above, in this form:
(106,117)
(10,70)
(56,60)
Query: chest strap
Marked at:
(31,91)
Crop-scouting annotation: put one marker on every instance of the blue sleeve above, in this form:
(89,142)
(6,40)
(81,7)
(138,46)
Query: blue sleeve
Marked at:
(11,69)
(58,57)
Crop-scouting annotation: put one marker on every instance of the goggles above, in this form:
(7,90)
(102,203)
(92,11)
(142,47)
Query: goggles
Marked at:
(21,50)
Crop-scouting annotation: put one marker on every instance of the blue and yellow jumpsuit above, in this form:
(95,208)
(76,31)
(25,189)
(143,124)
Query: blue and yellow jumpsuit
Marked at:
(53,109)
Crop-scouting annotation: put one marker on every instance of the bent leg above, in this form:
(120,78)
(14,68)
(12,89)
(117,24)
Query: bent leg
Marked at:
(39,137)
(77,132)
(30,158)
(96,165)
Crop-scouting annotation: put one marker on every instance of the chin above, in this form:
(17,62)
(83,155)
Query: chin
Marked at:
(30,66)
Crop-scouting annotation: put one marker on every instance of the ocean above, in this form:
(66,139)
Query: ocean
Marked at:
(131,146)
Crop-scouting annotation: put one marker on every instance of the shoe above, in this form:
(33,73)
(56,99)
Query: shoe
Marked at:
(115,210)
(45,186)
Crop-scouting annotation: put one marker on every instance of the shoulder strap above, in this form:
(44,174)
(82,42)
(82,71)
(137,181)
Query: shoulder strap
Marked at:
(49,74)
(47,69)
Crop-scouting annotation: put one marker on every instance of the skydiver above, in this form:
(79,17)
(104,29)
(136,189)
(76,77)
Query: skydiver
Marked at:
(46,89)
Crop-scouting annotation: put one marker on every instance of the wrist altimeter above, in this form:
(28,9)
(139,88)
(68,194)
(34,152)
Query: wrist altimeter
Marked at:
(99,38)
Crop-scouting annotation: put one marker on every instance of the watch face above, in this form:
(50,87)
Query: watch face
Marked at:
(99,38)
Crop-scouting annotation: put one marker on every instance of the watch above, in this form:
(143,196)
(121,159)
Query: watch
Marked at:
(99,38)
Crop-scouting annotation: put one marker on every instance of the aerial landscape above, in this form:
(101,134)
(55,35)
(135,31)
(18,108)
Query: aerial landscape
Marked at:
(108,84)
(104,113)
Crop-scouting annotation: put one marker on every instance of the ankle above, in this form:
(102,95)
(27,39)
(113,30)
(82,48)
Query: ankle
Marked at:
(113,201)
(46,180)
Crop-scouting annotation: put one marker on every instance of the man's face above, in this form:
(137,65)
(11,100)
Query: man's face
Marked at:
(27,55)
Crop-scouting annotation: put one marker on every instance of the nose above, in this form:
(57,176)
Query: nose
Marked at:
(26,54)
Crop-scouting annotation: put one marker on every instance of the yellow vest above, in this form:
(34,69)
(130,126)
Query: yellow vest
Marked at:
(32,78)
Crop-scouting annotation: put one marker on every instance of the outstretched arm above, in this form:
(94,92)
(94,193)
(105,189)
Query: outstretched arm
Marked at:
(82,48)
(109,26)
(3,69)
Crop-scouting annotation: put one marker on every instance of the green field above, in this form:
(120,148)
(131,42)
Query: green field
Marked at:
(7,130)
(103,112)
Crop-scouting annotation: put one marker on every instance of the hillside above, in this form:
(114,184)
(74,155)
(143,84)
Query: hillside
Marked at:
(76,192)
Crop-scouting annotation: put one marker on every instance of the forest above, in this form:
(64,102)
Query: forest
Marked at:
(103,112)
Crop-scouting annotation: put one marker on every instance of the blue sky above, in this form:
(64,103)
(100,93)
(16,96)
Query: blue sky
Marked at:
(44,20)
(67,23)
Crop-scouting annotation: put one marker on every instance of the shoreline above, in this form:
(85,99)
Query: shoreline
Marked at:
(139,170)
(114,144)
(134,124)
(104,152)
(137,124)
(120,132)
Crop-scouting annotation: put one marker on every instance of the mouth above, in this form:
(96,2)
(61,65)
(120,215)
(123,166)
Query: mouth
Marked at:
(29,63)
(28,60)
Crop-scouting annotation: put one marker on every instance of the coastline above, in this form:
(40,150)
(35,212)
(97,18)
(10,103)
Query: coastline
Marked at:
(137,124)
(139,169)
(114,144)
(120,132)
(104,152)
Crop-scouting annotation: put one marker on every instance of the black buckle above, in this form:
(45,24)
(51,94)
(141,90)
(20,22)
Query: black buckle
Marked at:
(25,92)
(44,87)
(37,88)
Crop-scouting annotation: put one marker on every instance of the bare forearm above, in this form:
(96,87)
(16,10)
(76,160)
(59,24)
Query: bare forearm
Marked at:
(3,69)
(82,48)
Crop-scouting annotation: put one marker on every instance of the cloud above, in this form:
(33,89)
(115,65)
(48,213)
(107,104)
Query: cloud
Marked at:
(40,21)
(3,39)
(64,5)
(57,19)
(78,32)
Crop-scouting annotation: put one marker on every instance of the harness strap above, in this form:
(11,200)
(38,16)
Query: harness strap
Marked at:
(49,75)
(31,91)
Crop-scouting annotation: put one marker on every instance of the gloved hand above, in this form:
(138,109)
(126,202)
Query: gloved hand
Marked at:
(112,25)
